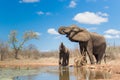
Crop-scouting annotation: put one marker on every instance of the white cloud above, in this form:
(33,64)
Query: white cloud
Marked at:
(58,37)
(106,7)
(102,14)
(43,13)
(48,13)
(91,17)
(112,31)
(37,33)
(52,31)
(72,4)
(108,36)
(29,1)
(40,13)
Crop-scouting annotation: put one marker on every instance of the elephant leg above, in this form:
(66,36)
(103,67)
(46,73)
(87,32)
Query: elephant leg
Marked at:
(84,56)
(81,50)
(66,63)
(91,57)
(59,61)
(100,56)
(64,60)
(67,59)
(60,57)
(96,57)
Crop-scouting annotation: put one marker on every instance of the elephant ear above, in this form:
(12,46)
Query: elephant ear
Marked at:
(79,34)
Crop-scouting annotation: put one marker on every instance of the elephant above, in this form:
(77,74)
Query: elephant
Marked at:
(63,55)
(90,42)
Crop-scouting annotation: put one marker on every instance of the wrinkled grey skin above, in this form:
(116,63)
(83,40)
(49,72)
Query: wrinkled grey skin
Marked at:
(92,43)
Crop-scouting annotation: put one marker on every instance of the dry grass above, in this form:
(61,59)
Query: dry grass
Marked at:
(31,56)
(31,63)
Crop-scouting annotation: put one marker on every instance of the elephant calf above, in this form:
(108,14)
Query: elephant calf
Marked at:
(63,55)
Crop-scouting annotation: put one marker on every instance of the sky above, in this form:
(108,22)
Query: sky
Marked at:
(45,17)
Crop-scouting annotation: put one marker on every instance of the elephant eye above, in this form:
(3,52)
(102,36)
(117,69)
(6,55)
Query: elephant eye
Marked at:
(63,30)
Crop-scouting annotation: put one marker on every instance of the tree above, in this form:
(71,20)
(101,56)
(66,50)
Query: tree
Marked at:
(16,45)
(3,49)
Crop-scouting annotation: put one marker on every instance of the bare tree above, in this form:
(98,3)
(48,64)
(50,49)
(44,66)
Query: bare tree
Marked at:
(17,46)
(3,49)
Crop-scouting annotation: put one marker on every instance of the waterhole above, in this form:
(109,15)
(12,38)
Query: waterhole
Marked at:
(53,73)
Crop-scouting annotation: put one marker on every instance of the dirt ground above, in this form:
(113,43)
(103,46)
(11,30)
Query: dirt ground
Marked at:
(112,66)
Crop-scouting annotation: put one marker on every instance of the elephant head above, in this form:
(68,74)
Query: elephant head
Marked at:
(75,33)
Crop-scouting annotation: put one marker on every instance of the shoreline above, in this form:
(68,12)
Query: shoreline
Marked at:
(30,63)
(111,67)
(114,64)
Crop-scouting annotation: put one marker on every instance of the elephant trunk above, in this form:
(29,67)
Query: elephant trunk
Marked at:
(61,30)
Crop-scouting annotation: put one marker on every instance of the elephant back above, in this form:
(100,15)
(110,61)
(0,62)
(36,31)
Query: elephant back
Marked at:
(97,39)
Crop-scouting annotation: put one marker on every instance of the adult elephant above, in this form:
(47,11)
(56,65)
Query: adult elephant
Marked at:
(63,55)
(92,43)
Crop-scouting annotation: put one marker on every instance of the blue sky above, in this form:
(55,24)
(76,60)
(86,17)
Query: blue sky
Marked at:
(46,16)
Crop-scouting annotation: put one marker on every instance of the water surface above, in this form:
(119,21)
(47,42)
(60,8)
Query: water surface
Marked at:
(53,73)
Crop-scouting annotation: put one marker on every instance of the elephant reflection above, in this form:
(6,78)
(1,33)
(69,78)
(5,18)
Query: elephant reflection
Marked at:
(64,73)
(87,74)
(63,55)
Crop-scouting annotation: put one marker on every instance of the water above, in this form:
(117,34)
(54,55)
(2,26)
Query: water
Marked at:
(53,73)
